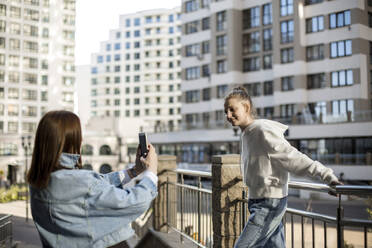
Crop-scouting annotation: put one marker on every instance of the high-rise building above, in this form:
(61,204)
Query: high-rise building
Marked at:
(37,42)
(306,63)
(137,73)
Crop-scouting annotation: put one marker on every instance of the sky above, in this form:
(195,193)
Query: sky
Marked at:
(95,18)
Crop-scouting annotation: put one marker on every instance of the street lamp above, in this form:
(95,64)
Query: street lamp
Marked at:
(26,144)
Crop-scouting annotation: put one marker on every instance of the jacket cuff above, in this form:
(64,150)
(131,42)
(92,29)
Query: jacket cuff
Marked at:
(147,182)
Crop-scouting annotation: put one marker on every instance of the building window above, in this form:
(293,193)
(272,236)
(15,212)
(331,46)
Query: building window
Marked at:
(267,61)
(341,48)
(251,42)
(251,64)
(342,78)
(13,110)
(286,55)
(341,107)
(287,110)
(192,96)
(340,19)
(205,70)
(370,19)
(315,52)
(268,112)
(286,31)
(254,89)
(221,91)
(221,43)
(309,2)
(267,39)
(267,15)
(316,81)
(191,27)
(2,10)
(221,66)
(205,47)
(12,127)
(205,23)
(315,24)
(191,6)
(286,7)
(268,88)
(287,83)
(192,73)
(251,18)
(221,21)
(137,21)
(370,52)
(206,94)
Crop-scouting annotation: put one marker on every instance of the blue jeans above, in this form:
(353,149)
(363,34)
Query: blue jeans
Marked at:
(264,227)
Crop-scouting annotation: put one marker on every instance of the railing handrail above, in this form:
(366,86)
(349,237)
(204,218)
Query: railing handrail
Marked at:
(321,217)
(357,190)
(196,173)
(186,186)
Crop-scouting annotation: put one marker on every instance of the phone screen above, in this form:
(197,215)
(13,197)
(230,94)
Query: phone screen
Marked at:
(143,144)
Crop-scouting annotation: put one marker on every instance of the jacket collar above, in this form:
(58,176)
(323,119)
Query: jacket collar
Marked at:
(68,160)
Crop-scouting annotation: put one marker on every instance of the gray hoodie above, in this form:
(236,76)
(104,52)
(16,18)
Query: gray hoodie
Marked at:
(267,158)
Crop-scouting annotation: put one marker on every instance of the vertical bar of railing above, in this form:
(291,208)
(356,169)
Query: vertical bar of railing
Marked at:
(325,234)
(340,232)
(365,237)
(167,202)
(313,231)
(302,232)
(199,210)
(181,207)
(243,209)
(292,231)
(285,225)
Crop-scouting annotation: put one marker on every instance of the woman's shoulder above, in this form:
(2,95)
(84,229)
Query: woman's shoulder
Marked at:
(75,177)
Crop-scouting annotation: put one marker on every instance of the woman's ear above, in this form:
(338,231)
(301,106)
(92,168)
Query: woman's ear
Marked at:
(247,106)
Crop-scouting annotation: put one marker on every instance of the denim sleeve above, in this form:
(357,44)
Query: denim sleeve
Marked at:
(112,178)
(106,199)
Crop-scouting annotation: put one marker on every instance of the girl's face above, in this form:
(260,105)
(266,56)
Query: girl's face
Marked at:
(238,112)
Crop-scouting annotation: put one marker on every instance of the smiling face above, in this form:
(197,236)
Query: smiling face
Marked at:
(238,112)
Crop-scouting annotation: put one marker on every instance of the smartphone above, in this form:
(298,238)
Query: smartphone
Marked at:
(143,144)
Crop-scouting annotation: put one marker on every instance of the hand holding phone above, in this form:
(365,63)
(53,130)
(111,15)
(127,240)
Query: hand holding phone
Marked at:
(143,144)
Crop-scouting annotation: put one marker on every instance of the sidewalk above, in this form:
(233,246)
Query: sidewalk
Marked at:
(25,234)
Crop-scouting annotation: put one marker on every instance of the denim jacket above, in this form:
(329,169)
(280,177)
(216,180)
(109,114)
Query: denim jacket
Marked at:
(82,208)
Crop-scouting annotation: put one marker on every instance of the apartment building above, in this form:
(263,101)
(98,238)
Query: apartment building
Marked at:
(37,41)
(137,73)
(306,63)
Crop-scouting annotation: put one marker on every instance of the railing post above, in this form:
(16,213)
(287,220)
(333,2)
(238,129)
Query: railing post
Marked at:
(165,202)
(340,229)
(227,189)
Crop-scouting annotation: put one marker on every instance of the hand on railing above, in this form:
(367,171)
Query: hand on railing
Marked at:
(332,186)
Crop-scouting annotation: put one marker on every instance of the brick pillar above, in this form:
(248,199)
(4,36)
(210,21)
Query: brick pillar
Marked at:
(227,188)
(161,213)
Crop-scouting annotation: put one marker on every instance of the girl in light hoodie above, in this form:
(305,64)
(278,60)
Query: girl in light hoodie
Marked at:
(266,160)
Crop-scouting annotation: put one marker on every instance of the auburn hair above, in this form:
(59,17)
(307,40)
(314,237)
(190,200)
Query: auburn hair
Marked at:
(57,132)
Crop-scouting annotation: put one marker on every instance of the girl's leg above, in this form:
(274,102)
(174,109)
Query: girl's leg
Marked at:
(277,239)
(266,216)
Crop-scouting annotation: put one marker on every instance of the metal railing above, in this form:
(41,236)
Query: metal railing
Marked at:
(339,221)
(6,230)
(190,214)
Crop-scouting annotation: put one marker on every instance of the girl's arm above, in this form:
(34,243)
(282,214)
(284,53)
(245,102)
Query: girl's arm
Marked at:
(106,199)
(284,155)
